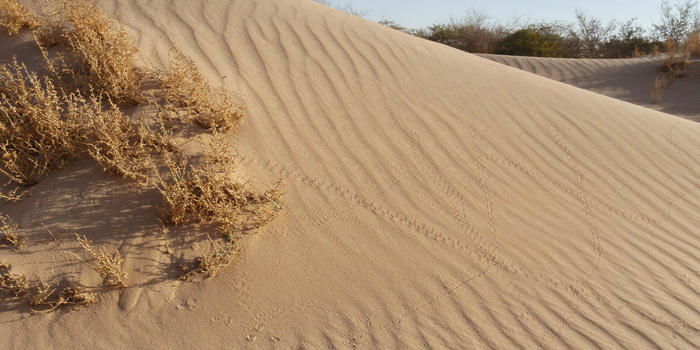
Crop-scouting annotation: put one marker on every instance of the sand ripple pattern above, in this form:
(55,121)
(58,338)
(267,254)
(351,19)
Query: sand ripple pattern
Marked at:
(435,199)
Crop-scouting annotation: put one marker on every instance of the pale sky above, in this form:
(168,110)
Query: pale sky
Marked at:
(421,13)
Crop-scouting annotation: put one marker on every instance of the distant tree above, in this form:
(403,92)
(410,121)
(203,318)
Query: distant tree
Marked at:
(587,37)
(562,32)
(472,33)
(678,21)
(629,41)
(530,42)
(592,33)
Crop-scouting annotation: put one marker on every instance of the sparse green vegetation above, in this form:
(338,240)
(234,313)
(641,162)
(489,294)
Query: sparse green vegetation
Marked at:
(530,42)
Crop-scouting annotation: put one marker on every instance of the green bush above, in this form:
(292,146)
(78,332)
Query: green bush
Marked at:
(529,42)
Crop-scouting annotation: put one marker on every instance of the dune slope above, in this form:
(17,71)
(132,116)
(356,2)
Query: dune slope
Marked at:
(626,79)
(434,199)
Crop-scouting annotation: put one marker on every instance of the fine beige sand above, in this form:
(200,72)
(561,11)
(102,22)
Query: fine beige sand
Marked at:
(435,199)
(626,79)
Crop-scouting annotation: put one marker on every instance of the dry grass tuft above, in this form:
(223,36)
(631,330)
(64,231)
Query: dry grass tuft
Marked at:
(13,284)
(10,196)
(102,50)
(213,259)
(14,17)
(676,64)
(106,264)
(658,87)
(34,133)
(42,126)
(9,236)
(185,87)
(41,295)
(694,44)
(207,192)
(75,296)
(113,141)
(678,57)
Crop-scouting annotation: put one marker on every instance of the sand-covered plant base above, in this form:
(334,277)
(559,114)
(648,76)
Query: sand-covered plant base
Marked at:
(74,109)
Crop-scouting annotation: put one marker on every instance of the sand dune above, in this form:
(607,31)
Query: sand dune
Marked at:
(625,79)
(435,199)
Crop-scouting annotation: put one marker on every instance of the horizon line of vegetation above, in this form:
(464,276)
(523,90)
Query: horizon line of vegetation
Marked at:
(587,37)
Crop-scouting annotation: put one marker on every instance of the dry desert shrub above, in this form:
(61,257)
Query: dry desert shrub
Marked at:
(694,44)
(112,139)
(107,264)
(676,64)
(9,236)
(12,284)
(34,133)
(10,195)
(73,112)
(207,192)
(41,127)
(679,54)
(14,17)
(45,296)
(51,25)
(212,259)
(185,87)
(102,50)
(657,88)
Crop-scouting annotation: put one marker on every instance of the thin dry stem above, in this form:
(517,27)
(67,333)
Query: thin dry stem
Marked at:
(185,87)
(9,236)
(658,87)
(107,264)
(45,296)
(34,134)
(213,259)
(12,284)
(207,192)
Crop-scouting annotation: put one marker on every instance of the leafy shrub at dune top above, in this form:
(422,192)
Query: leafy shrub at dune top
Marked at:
(587,37)
(529,42)
(473,33)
